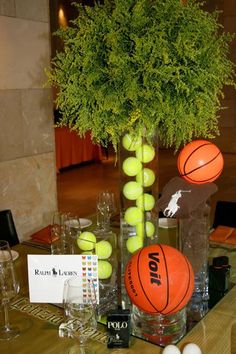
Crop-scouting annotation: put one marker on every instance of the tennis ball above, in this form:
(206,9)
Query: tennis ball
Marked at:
(103,249)
(134,243)
(149,229)
(104,270)
(131,166)
(146,177)
(86,241)
(131,143)
(145,202)
(132,190)
(133,215)
(145,153)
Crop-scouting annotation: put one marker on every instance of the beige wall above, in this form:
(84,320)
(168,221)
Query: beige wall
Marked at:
(27,162)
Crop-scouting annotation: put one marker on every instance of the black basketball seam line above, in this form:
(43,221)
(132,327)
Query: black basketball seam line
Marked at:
(192,154)
(186,288)
(198,168)
(205,180)
(140,282)
(167,279)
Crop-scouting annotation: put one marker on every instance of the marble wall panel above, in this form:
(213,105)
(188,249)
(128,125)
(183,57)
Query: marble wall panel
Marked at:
(26,118)
(25,53)
(32,10)
(11,132)
(27,187)
(29,9)
(7,7)
(37,113)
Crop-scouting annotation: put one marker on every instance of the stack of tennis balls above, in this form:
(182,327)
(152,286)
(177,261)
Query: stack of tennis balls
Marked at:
(87,243)
(134,190)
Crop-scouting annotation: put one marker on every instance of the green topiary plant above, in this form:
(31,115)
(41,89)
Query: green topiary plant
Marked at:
(134,64)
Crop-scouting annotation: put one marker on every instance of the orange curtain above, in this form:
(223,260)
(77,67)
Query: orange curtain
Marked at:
(72,150)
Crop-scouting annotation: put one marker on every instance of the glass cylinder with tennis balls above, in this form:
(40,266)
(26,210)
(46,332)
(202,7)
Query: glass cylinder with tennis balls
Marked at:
(105,249)
(138,164)
(104,245)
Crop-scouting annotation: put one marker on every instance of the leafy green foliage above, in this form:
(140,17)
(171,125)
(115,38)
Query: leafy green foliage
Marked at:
(130,64)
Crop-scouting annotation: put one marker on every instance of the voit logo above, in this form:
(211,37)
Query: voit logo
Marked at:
(55,272)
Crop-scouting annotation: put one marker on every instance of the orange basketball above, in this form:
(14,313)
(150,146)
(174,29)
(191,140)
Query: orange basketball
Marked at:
(200,162)
(159,279)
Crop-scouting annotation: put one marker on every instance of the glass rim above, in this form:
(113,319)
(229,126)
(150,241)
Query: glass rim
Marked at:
(78,281)
(4,243)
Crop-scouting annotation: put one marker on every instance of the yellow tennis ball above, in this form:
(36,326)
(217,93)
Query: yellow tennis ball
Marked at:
(134,243)
(133,215)
(132,190)
(86,241)
(104,269)
(131,143)
(145,201)
(145,153)
(148,231)
(103,249)
(146,177)
(131,166)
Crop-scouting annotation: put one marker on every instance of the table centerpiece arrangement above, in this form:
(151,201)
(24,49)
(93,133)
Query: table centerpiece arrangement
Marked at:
(138,69)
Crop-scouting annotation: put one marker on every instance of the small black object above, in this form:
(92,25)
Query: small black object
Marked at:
(118,326)
(225,214)
(219,273)
(7,227)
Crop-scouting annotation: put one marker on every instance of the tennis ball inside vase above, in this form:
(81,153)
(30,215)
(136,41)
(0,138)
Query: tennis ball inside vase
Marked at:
(131,166)
(134,243)
(146,177)
(131,143)
(103,249)
(145,153)
(145,202)
(132,190)
(86,241)
(104,269)
(146,228)
(133,215)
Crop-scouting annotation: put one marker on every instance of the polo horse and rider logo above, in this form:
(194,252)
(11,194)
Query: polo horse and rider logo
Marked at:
(172,206)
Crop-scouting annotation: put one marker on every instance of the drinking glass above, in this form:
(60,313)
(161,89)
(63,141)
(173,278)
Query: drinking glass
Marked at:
(72,229)
(80,302)
(106,207)
(64,230)
(9,287)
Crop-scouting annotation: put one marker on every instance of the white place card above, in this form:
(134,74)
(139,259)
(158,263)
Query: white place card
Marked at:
(47,274)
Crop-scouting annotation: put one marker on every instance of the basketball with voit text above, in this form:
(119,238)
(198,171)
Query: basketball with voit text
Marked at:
(159,279)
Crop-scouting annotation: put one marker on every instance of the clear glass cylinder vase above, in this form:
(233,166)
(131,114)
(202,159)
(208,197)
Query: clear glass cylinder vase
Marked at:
(194,244)
(138,164)
(105,249)
(159,329)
